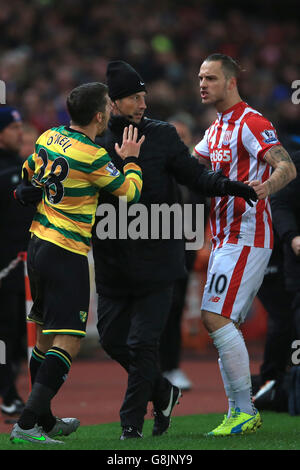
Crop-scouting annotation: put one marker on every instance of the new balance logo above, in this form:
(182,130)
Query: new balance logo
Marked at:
(214,298)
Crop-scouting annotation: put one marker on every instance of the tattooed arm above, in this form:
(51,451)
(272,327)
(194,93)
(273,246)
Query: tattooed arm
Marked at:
(284,172)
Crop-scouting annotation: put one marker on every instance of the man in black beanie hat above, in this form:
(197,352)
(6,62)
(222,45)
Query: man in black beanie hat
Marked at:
(134,277)
(14,237)
(123,80)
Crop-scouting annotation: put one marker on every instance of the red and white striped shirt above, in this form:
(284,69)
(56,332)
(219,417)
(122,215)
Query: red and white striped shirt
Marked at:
(236,143)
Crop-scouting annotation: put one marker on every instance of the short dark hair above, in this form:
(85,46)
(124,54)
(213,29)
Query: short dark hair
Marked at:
(84,101)
(230,67)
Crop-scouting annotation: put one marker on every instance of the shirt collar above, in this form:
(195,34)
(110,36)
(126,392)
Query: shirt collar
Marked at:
(226,115)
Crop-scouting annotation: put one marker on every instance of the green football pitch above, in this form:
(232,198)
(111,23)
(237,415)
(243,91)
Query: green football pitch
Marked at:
(280,431)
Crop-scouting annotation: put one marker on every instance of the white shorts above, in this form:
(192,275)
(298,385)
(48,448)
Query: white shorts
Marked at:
(234,275)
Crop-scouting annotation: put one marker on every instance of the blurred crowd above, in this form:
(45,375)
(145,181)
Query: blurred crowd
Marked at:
(49,46)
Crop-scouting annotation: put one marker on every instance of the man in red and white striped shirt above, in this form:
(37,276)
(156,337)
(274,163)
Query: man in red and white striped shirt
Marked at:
(244,145)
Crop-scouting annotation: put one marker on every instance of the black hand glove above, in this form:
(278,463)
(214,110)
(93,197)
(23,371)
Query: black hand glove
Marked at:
(237,188)
(26,193)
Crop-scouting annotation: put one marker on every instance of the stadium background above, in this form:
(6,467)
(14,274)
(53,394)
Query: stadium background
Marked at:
(48,47)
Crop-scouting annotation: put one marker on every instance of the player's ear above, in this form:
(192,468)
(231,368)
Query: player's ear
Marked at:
(99,117)
(232,83)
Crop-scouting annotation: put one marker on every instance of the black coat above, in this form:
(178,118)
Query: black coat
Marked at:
(14,222)
(285,206)
(123,266)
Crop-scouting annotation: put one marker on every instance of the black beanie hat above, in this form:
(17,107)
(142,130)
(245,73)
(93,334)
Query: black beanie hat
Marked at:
(123,80)
(8,114)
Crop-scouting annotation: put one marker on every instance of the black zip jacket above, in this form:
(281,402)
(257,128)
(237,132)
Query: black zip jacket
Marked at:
(134,266)
(15,220)
(285,206)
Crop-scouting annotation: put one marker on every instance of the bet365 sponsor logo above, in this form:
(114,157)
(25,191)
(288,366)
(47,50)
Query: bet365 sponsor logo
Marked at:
(2,352)
(221,155)
(2,92)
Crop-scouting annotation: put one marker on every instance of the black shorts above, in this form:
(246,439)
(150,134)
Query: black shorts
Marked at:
(60,288)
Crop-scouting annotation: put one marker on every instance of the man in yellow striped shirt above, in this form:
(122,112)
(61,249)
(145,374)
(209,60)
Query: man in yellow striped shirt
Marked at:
(70,168)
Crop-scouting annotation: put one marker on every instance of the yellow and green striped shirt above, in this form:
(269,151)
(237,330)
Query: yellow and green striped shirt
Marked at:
(71,168)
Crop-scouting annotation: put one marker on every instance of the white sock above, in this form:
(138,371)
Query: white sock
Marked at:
(235,362)
(228,390)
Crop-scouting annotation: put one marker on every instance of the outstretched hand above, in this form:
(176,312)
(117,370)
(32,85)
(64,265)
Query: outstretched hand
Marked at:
(239,189)
(130,145)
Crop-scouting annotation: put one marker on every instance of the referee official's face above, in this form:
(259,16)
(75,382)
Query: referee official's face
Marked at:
(132,107)
(214,87)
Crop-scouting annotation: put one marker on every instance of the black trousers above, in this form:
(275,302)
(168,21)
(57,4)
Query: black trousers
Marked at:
(170,345)
(13,333)
(280,332)
(130,328)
